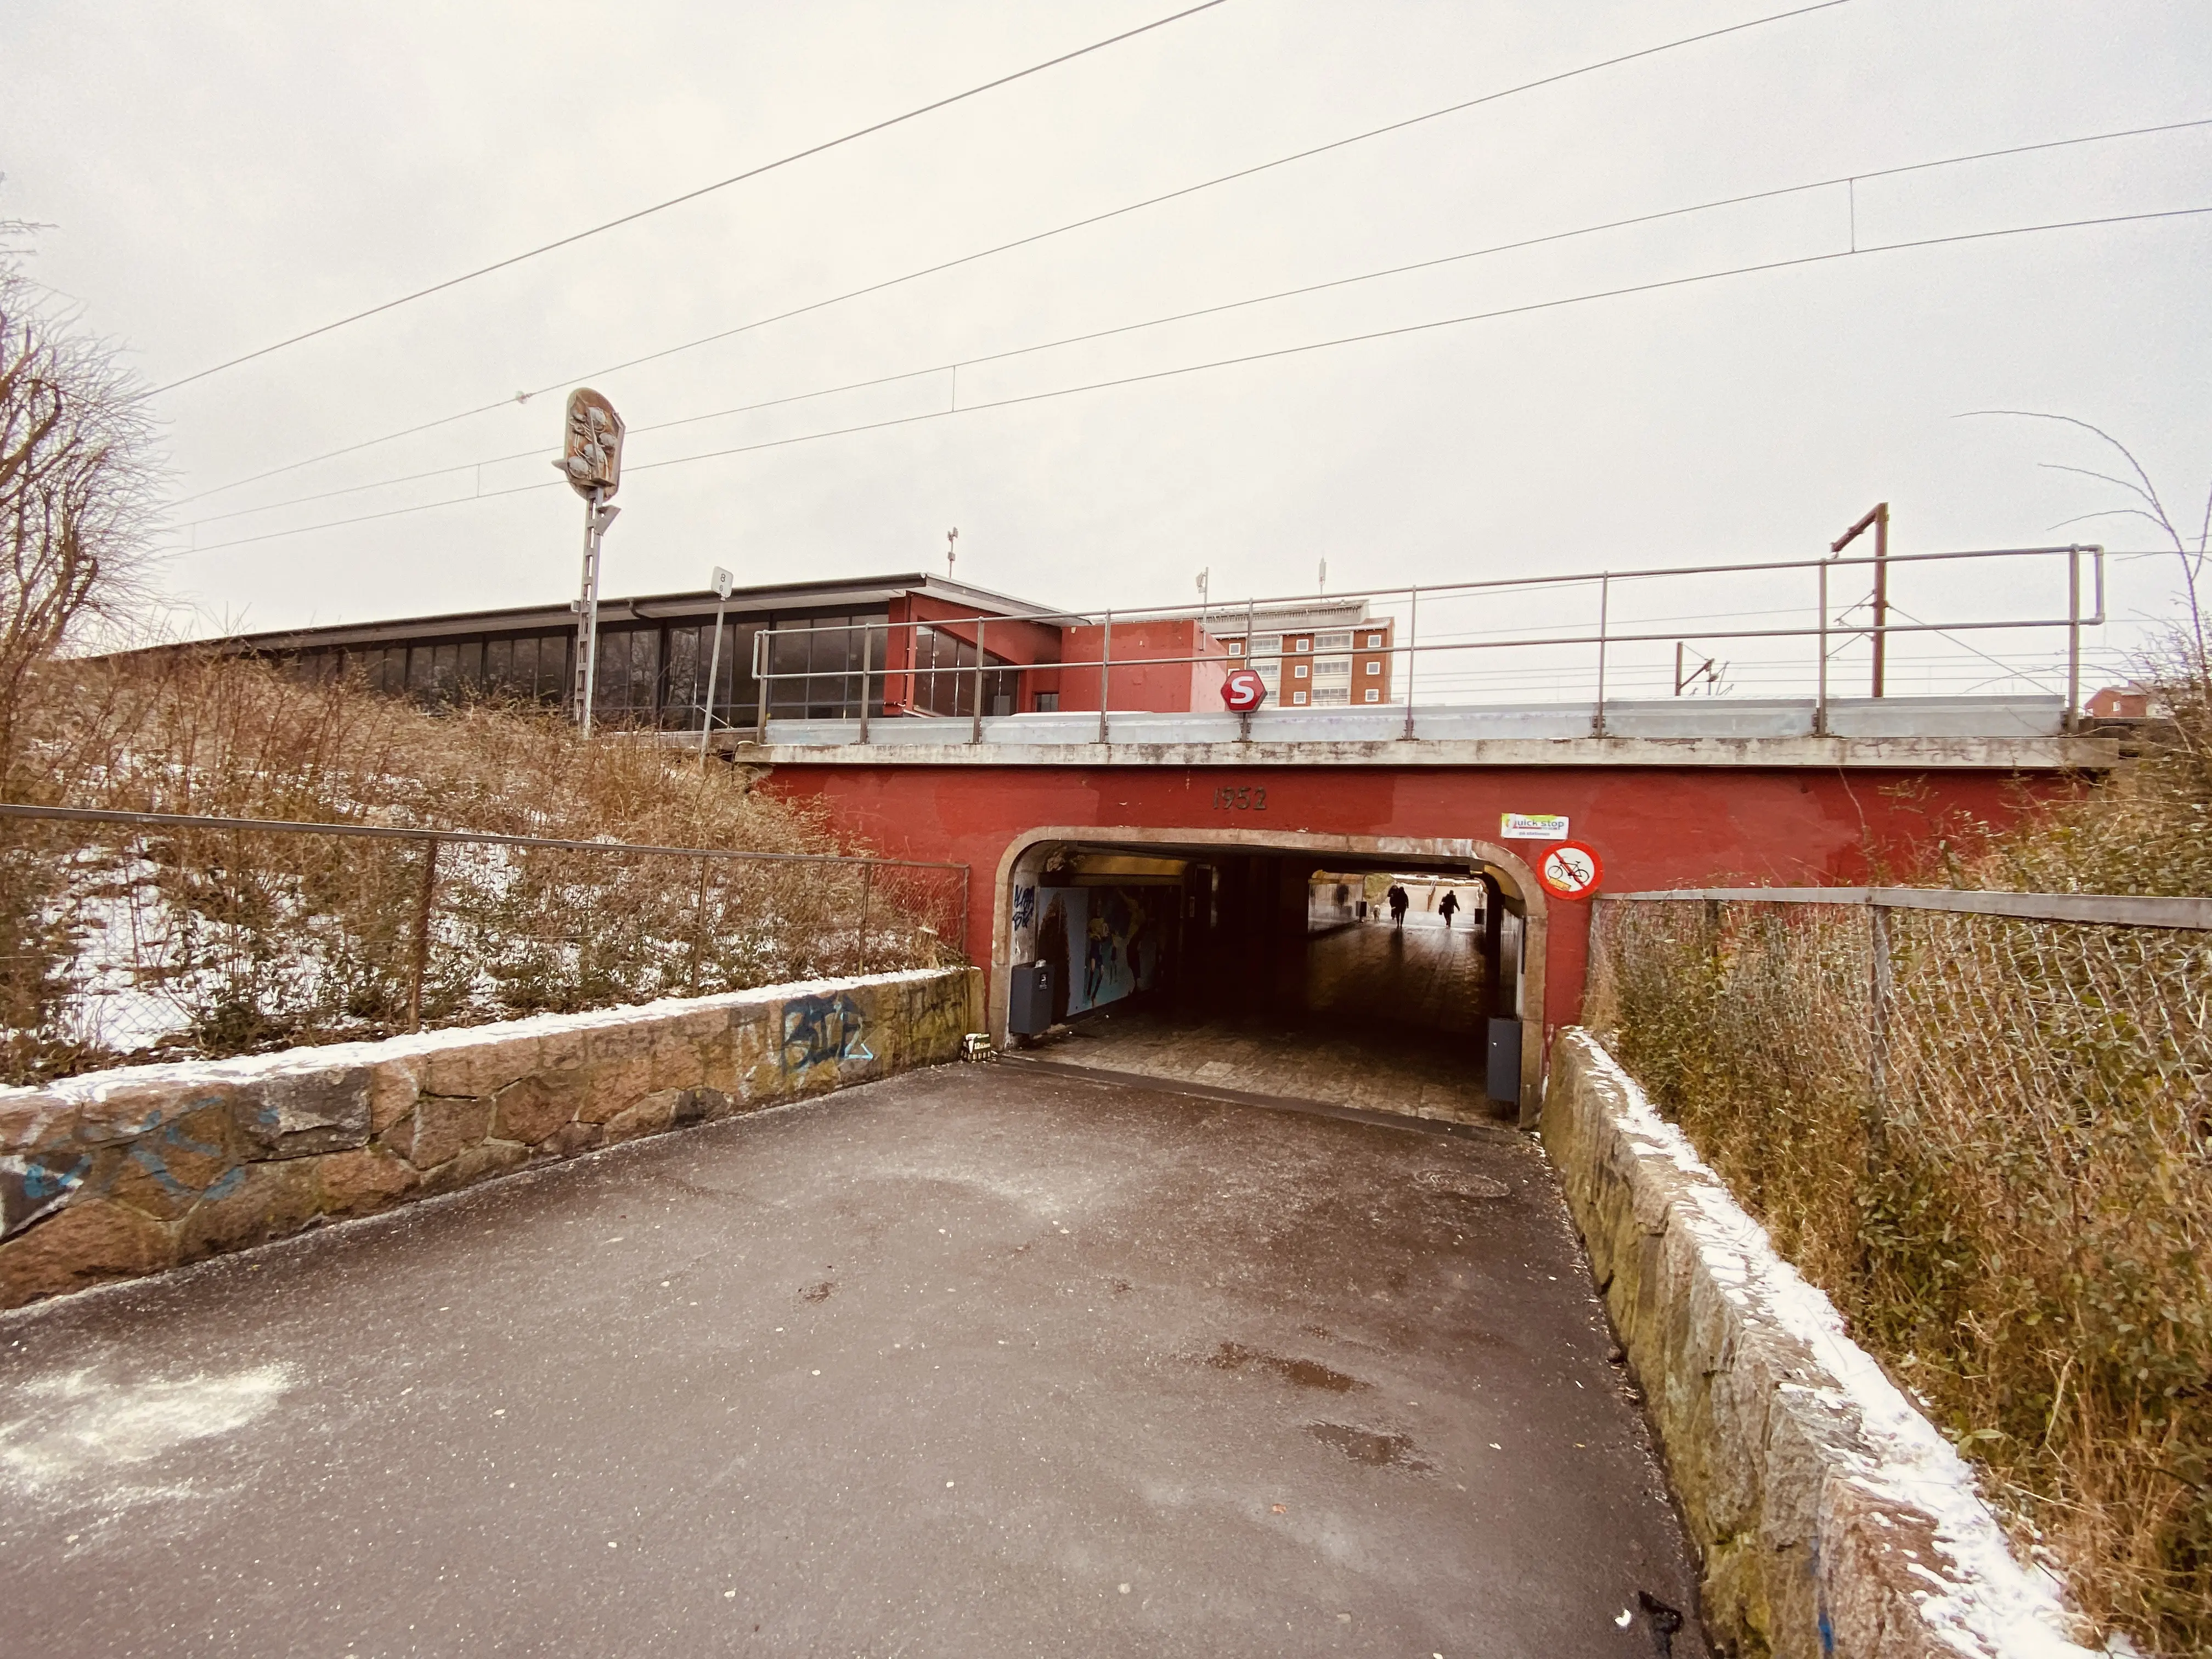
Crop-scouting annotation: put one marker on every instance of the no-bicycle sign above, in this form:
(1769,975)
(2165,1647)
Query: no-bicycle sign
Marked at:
(1570,871)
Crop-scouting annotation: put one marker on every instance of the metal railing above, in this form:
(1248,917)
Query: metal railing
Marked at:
(225,935)
(1827,634)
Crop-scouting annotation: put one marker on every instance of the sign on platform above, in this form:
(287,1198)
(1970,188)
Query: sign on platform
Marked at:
(1532,826)
(1244,691)
(1570,871)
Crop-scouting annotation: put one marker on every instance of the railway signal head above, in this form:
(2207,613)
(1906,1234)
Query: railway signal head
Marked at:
(591,454)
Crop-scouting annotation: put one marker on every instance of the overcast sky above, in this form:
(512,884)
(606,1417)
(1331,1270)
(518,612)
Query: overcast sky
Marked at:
(219,176)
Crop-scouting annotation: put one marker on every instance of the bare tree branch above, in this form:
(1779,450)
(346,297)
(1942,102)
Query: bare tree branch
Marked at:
(77,487)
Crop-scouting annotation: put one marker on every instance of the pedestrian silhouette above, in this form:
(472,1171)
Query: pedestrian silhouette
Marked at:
(1399,903)
(1449,908)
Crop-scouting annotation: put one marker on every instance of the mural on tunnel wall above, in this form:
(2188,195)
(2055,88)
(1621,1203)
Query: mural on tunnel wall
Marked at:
(1113,936)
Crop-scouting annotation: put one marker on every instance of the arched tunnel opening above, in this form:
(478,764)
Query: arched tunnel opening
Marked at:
(1391,978)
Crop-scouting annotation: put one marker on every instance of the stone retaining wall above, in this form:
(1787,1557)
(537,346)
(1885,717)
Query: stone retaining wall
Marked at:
(121,1173)
(1832,1518)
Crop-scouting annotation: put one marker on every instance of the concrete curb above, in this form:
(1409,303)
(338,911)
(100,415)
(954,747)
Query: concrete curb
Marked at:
(119,1174)
(1830,1516)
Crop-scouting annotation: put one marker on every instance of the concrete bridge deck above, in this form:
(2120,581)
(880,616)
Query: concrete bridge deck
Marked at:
(973,1361)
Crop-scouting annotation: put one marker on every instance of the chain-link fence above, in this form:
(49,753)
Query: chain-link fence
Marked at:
(144,936)
(1982,1122)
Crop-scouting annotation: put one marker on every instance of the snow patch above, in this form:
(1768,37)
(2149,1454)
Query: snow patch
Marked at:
(82,1431)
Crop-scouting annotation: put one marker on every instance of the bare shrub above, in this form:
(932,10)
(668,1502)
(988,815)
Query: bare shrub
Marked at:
(2014,1209)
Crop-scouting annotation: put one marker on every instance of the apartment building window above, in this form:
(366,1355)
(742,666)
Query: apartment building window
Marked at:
(1374,642)
(1298,697)
(1374,694)
(1375,670)
(1299,670)
(1302,645)
(1236,648)
(1333,641)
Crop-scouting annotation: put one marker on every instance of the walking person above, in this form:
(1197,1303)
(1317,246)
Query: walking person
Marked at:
(1400,902)
(1449,907)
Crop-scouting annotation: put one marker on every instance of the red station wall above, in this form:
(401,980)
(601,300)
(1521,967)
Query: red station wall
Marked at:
(1653,826)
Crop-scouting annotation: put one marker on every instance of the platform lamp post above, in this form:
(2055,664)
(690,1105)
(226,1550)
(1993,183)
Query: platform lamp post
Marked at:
(590,460)
(724,582)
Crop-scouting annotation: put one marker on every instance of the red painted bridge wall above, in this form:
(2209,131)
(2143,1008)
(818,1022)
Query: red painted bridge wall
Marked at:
(1653,826)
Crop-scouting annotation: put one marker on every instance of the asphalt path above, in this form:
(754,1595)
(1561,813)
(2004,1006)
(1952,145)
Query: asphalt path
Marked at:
(979,1360)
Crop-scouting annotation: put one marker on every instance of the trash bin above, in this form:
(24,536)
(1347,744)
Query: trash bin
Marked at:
(1503,1083)
(1028,999)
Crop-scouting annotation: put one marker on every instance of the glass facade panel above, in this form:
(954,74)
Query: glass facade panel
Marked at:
(629,675)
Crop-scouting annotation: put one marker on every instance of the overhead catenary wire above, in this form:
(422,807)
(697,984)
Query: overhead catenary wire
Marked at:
(1018,242)
(693,194)
(1401,330)
(953,366)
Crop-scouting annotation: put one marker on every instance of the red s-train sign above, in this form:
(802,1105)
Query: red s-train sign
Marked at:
(1244,691)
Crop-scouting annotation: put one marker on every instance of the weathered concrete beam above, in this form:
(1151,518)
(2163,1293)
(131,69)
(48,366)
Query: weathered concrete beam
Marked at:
(2052,754)
(1832,1518)
(117,1174)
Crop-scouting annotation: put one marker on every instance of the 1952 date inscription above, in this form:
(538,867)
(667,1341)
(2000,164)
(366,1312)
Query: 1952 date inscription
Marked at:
(1239,798)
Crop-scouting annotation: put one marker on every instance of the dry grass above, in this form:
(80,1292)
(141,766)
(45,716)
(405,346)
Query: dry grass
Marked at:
(2015,1211)
(118,941)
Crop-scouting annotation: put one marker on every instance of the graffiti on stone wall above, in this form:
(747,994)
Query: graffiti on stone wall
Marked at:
(1025,905)
(822,1030)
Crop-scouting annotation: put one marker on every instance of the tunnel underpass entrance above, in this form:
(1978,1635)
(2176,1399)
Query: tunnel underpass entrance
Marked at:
(1273,965)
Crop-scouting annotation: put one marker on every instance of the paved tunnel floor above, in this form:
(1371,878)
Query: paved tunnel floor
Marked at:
(1379,1016)
(972,1362)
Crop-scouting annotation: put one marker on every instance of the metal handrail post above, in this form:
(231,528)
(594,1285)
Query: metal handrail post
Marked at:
(1604,611)
(762,682)
(419,968)
(860,947)
(1878,996)
(1820,699)
(2073,640)
(867,656)
(976,720)
(1105,673)
(1251,643)
(1412,641)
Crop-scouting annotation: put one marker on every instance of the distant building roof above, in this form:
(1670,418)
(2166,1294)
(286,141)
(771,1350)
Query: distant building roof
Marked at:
(776,596)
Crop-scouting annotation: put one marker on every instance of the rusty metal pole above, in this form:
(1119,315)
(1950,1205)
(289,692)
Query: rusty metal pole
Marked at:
(1877,520)
(420,969)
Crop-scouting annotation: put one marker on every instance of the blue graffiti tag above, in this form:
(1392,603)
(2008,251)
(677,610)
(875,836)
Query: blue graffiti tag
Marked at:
(148,1155)
(819,1029)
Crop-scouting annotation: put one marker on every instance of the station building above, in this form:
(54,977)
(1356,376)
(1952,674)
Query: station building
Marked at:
(902,645)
